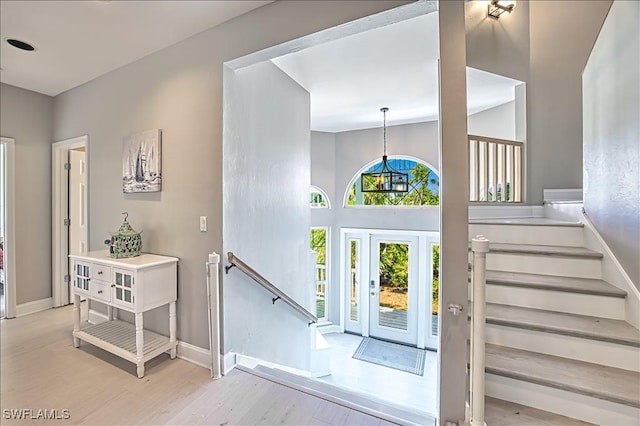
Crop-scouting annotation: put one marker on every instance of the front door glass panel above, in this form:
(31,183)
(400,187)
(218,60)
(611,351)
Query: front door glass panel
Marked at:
(393,275)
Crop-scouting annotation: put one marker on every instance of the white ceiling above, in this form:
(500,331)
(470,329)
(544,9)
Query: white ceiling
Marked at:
(396,66)
(77,41)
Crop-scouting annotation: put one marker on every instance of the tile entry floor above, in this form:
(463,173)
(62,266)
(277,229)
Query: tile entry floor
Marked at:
(397,387)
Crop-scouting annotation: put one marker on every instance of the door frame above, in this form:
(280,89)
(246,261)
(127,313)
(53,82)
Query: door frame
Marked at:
(9,258)
(60,211)
(425,239)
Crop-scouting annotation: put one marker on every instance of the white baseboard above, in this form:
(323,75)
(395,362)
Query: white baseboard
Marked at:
(329,328)
(194,354)
(33,307)
(96,317)
(484,211)
(229,362)
(570,194)
(613,272)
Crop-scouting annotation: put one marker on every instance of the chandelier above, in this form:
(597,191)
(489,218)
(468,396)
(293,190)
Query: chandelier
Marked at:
(386,179)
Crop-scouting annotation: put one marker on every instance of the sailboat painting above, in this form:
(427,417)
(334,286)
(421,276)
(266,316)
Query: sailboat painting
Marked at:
(142,162)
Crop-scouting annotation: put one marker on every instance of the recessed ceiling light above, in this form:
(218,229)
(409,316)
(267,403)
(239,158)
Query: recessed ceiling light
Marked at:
(19,44)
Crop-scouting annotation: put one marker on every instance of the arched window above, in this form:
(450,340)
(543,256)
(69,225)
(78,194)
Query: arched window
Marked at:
(319,198)
(424,185)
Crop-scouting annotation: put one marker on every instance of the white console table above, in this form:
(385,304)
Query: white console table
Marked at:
(136,284)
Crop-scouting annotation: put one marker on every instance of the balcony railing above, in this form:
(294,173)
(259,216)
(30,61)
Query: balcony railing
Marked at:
(495,170)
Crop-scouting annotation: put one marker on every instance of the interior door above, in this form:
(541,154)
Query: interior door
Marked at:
(393,288)
(77,202)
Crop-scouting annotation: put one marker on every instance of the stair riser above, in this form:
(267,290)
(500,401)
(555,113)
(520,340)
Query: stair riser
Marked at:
(573,303)
(604,353)
(545,265)
(571,236)
(561,402)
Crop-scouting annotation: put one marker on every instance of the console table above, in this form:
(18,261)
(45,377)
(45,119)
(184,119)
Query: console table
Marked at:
(136,285)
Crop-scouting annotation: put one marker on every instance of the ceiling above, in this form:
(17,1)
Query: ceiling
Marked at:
(395,66)
(77,41)
(349,79)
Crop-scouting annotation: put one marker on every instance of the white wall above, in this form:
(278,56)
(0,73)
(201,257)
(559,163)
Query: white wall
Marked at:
(497,122)
(179,90)
(266,177)
(27,117)
(611,87)
(323,160)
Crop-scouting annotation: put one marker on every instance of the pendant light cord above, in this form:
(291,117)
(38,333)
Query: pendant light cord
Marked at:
(384,126)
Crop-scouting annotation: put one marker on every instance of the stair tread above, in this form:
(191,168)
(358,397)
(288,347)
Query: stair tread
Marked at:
(564,251)
(602,329)
(553,282)
(608,383)
(526,221)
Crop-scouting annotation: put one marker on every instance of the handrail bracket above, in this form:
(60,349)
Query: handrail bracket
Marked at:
(275,299)
(228,267)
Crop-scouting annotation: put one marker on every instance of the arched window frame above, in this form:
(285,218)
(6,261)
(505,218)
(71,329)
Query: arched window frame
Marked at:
(324,195)
(345,198)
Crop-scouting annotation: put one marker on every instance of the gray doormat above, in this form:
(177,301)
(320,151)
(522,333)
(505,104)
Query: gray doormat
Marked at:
(392,355)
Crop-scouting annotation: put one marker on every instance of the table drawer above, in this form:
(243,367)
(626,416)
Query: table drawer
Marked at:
(100,272)
(100,290)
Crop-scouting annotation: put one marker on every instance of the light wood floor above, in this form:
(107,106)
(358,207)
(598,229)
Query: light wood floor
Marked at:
(40,369)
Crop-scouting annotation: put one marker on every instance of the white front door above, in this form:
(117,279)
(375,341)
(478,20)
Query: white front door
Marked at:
(393,288)
(390,285)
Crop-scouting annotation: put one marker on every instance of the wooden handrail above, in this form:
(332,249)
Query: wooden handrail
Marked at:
(280,295)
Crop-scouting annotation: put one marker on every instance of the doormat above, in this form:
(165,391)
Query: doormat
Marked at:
(392,355)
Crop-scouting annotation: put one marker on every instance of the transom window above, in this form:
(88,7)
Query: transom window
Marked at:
(318,198)
(424,186)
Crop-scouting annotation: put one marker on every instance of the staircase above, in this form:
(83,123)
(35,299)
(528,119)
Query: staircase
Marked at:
(556,335)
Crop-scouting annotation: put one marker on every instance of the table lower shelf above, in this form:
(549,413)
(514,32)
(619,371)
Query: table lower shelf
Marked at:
(119,338)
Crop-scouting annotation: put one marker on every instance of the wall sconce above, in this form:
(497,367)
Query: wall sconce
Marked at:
(498,7)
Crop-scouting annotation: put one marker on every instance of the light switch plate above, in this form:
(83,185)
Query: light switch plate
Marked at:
(203,224)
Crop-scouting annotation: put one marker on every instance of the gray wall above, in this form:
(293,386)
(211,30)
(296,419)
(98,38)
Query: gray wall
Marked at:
(266,213)
(611,84)
(562,35)
(497,122)
(179,90)
(545,44)
(27,117)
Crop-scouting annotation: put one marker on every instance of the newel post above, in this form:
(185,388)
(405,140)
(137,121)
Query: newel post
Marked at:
(480,248)
(213,293)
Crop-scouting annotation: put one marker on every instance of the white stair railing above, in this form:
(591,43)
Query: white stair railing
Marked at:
(479,249)
(495,170)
